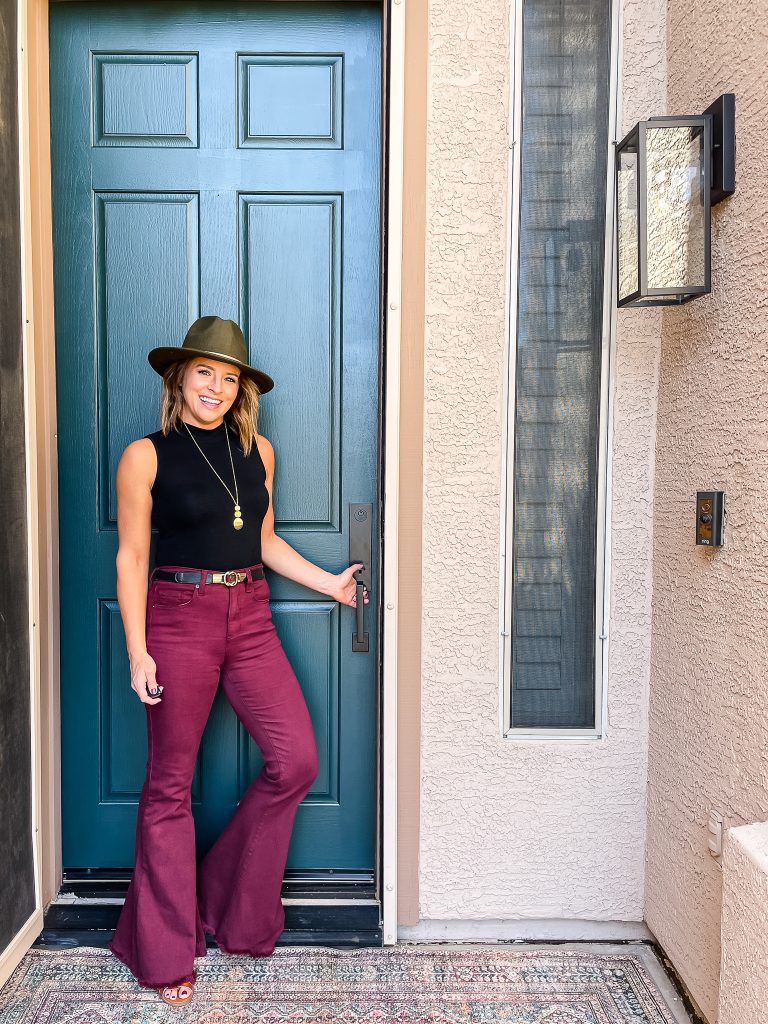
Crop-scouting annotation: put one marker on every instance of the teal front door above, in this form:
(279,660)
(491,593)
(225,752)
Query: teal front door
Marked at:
(218,158)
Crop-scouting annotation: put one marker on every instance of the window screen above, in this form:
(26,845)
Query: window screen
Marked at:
(558,351)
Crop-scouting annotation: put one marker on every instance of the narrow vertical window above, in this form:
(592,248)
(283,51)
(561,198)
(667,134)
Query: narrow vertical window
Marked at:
(562,223)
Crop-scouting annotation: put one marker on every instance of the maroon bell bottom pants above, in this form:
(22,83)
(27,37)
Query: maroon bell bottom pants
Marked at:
(198,634)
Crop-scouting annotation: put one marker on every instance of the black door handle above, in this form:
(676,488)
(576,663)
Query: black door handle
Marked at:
(360,516)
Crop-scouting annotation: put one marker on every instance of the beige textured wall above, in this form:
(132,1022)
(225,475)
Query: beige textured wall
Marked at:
(509,829)
(709,714)
(744,967)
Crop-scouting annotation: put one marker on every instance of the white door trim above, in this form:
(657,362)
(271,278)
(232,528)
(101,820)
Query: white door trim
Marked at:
(395,55)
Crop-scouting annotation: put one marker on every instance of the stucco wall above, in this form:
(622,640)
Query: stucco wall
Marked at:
(509,829)
(709,715)
(744,965)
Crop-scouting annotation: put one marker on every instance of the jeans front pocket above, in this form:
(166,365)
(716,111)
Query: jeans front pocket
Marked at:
(173,595)
(167,601)
(260,589)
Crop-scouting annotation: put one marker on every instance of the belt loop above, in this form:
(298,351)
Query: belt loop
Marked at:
(248,580)
(203,574)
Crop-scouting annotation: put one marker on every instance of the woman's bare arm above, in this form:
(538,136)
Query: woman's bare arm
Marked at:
(278,554)
(135,476)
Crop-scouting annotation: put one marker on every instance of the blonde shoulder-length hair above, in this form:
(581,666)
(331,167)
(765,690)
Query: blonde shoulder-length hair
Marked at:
(242,416)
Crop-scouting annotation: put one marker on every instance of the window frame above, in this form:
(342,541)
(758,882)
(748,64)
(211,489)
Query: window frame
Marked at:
(607,387)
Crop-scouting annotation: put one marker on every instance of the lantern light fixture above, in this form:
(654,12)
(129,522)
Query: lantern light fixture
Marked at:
(670,171)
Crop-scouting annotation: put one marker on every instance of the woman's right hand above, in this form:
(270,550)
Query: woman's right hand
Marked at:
(143,678)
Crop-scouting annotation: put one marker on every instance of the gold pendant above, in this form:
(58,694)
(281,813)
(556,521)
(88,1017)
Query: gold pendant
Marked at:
(238,521)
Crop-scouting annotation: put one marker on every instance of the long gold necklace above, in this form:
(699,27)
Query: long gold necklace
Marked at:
(238,520)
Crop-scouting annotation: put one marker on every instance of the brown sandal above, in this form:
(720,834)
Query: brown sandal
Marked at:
(177,999)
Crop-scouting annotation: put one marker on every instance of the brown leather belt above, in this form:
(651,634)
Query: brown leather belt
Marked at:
(231,577)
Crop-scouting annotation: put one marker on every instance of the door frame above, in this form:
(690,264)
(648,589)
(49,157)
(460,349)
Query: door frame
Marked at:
(402,343)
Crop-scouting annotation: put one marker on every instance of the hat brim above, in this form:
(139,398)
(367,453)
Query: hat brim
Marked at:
(164,356)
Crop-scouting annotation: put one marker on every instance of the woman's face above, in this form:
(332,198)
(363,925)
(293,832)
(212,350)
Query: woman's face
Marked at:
(209,388)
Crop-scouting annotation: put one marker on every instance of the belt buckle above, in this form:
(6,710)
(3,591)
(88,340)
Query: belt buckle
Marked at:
(230,573)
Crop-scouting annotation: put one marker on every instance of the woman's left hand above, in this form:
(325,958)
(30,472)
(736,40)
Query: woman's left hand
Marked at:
(344,586)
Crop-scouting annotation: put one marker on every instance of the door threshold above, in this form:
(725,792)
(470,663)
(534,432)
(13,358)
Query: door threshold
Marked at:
(298,885)
(72,899)
(71,938)
(329,914)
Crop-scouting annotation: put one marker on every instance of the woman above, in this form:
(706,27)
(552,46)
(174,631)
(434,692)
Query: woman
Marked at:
(205,481)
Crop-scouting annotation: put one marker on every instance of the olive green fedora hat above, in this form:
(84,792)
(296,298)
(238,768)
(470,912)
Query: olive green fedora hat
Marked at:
(219,339)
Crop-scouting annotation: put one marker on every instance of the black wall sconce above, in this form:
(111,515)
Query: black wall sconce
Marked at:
(669,172)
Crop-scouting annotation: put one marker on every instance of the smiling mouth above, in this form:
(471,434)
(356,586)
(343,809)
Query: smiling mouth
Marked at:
(210,402)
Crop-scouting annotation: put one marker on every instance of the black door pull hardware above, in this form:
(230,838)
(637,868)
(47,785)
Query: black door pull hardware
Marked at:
(360,516)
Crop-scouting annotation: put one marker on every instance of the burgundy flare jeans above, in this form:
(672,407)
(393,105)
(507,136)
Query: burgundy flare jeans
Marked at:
(198,634)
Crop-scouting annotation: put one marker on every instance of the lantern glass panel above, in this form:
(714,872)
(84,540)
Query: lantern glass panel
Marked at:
(676,214)
(627,207)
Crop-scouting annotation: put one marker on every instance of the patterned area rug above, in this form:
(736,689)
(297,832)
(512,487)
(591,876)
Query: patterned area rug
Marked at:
(326,985)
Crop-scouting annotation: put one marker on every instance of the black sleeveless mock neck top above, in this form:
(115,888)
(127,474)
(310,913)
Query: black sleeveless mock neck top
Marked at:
(191,508)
